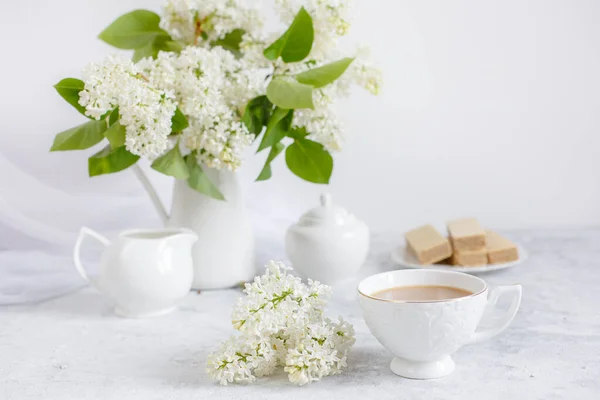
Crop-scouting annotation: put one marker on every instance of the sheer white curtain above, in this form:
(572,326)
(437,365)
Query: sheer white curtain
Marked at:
(40,218)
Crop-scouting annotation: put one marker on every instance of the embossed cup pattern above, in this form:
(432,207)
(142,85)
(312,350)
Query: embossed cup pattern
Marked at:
(423,331)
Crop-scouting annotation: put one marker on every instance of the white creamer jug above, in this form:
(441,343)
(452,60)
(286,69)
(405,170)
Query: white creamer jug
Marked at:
(146,272)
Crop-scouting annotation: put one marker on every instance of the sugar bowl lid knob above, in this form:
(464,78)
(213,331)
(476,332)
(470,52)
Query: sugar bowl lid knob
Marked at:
(326,200)
(327,213)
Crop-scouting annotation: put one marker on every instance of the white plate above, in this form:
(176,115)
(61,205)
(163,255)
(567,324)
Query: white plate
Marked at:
(402,257)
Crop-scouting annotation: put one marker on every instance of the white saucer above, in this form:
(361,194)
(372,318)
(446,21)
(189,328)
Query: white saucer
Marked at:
(402,257)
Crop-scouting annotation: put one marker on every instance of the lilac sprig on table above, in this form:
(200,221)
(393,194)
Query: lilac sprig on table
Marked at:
(282,325)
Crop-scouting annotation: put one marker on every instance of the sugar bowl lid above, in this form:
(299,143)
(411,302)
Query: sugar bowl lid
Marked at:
(327,214)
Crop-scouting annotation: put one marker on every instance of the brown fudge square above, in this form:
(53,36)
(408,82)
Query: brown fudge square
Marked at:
(427,244)
(466,234)
(500,249)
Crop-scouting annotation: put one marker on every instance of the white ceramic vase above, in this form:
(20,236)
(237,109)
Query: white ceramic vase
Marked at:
(223,256)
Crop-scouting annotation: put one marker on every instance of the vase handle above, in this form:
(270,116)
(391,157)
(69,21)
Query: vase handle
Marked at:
(158,205)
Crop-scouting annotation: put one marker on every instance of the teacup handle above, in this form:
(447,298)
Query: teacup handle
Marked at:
(76,256)
(516,291)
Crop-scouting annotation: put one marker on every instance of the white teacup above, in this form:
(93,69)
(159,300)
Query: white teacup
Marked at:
(423,335)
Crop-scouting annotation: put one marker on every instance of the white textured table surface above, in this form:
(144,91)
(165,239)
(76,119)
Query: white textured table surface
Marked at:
(75,348)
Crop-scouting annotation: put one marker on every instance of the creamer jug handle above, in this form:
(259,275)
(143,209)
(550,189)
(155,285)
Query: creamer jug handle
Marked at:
(76,253)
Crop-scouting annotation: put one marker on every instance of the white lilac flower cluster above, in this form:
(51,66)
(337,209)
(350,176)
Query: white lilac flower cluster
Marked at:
(211,86)
(331,21)
(144,110)
(198,22)
(281,323)
(322,122)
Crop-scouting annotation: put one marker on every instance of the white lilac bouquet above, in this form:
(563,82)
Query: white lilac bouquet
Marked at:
(206,81)
(281,323)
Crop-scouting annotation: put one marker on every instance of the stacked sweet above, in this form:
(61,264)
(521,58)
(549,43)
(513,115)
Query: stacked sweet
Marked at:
(467,244)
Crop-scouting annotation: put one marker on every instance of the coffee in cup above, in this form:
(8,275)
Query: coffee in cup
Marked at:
(422,293)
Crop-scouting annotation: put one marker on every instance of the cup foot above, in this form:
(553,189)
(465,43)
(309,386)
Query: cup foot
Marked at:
(128,314)
(422,370)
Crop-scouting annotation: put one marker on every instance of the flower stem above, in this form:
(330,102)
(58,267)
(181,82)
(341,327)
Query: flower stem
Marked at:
(142,77)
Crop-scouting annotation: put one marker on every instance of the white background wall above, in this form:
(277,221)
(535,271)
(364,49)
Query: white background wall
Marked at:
(490,108)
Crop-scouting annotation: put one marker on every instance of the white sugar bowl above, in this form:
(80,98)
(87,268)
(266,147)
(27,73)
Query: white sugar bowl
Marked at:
(327,244)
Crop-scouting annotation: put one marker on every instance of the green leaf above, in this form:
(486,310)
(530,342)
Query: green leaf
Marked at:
(179,122)
(69,89)
(289,93)
(151,49)
(231,41)
(115,135)
(133,30)
(172,164)
(109,160)
(172,46)
(114,116)
(199,181)
(309,160)
(277,128)
(298,133)
(257,114)
(295,44)
(319,77)
(266,171)
(159,43)
(81,137)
